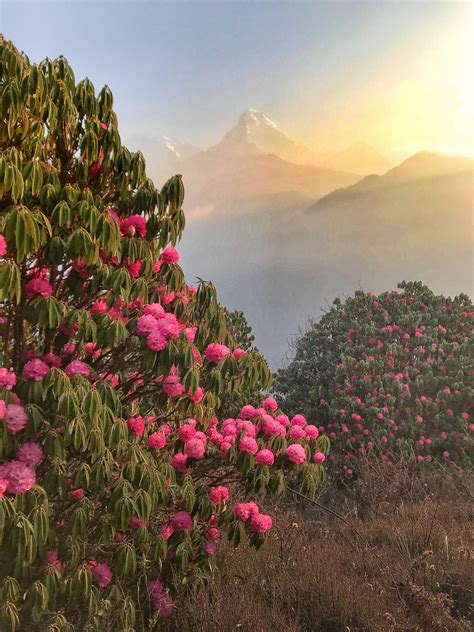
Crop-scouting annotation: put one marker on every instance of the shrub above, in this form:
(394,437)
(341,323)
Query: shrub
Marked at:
(113,465)
(388,375)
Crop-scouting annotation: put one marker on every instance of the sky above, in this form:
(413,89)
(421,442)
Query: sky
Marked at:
(395,74)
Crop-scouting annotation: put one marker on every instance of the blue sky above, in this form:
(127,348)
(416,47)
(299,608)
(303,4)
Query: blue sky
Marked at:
(325,71)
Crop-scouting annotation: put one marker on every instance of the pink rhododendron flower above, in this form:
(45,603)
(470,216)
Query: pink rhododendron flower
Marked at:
(76,367)
(77,493)
(133,223)
(20,477)
(136,425)
(182,521)
(248,444)
(166,531)
(319,457)
(198,395)
(247,412)
(102,574)
(264,457)
(38,287)
(179,462)
(136,523)
(50,558)
(3,246)
(239,353)
(172,386)
(297,432)
(30,453)
(3,487)
(296,453)
(7,379)
(243,511)
(270,404)
(195,448)
(213,534)
(312,432)
(52,360)
(156,340)
(15,417)
(209,549)
(3,408)
(35,370)
(298,420)
(260,523)
(154,309)
(216,352)
(170,256)
(156,440)
(219,494)
(146,324)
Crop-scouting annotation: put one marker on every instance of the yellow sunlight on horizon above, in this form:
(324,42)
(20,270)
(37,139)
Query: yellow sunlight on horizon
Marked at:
(417,99)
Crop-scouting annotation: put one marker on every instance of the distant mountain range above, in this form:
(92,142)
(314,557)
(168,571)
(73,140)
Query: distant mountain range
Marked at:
(282,232)
(253,160)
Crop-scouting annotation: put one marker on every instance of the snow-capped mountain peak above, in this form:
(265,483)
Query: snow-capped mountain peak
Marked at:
(255,118)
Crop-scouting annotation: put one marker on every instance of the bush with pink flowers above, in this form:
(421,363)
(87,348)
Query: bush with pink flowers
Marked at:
(388,375)
(118,474)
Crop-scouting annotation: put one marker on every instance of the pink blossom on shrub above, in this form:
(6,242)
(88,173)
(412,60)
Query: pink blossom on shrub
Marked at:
(77,367)
(296,453)
(136,425)
(198,395)
(156,440)
(182,521)
(172,386)
(77,493)
(35,370)
(209,549)
(146,324)
(170,256)
(3,487)
(19,476)
(3,246)
(179,462)
(156,340)
(3,408)
(133,223)
(319,457)
(260,523)
(247,412)
(312,432)
(264,457)
(270,404)
(219,494)
(30,453)
(195,448)
(52,360)
(248,444)
(243,511)
(102,574)
(15,417)
(298,420)
(38,287)
(7,379)
(216,352)
(239,353)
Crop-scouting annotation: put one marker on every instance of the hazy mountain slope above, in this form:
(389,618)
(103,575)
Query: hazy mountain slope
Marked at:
(420,166)
(282,266)
(357,158)
(214,181)
(163,155)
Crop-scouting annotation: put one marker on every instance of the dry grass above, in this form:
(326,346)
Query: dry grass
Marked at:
(409,567)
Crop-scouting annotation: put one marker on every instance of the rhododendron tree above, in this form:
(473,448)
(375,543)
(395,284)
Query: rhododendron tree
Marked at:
(388,375)
(118,476)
